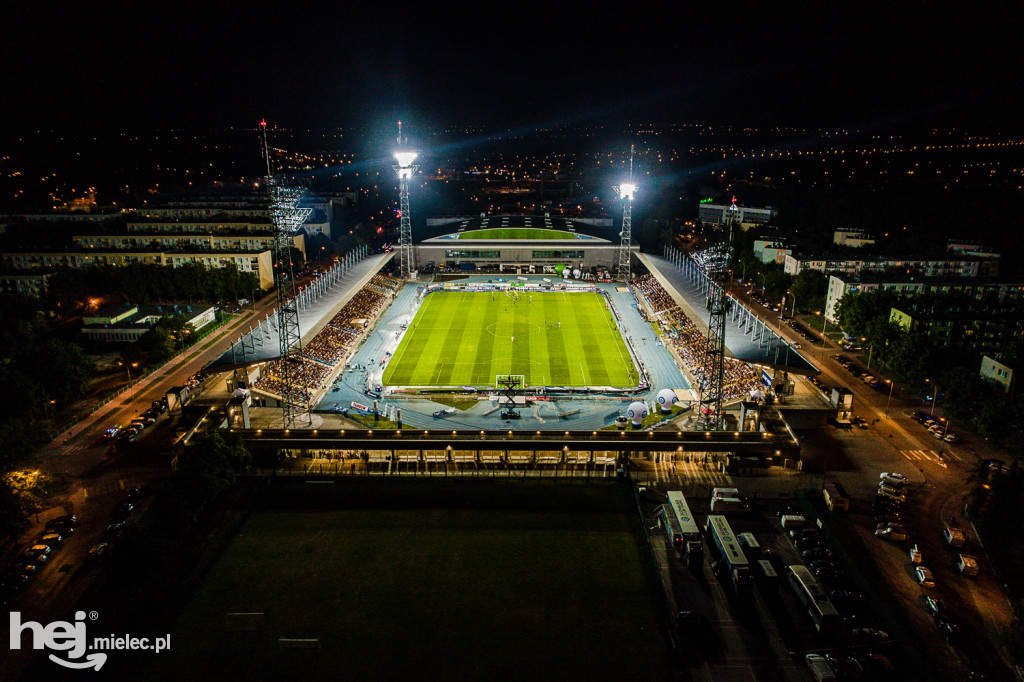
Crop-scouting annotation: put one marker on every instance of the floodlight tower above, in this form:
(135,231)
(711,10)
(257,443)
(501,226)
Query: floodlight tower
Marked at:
(287,217)
(405,169)
(626,190)
(718,302)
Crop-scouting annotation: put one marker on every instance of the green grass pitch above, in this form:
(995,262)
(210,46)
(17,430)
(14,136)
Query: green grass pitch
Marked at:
(486,582)
(517,233)
(465,338)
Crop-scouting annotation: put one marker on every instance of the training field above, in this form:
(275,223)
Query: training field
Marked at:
(465,338)
(517,233)
(426,580)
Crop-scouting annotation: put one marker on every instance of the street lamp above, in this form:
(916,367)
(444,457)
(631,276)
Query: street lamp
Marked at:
(824,327)
(892,384)
(128,368)
(935,394)
(871,350)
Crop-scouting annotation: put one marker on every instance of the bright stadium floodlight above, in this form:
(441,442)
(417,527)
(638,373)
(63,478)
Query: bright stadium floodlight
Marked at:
(404,169)
(405,159)
(627,190)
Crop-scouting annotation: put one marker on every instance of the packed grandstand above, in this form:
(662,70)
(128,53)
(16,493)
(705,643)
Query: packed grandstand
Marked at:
(311,368)
(691,344)
(337,340)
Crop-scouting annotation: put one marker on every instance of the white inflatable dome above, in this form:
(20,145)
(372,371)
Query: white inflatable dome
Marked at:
(666,399)
(636,412)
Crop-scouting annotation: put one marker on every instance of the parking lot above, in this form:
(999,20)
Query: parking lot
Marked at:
(762,630)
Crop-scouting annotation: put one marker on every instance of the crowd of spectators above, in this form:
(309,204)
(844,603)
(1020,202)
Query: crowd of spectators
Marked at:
(656,296)
(692,345)
(332,344)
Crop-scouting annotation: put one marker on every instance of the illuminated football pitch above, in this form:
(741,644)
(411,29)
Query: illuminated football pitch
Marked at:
(551,338)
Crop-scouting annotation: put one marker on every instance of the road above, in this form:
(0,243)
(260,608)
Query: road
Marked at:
(101,477)
(939,481)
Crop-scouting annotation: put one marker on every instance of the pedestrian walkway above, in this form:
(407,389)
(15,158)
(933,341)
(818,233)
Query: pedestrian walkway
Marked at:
(931,456)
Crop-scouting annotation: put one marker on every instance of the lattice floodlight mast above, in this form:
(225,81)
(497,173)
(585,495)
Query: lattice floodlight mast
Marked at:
(626,190)
(712,417)
(287,217)
(405,169)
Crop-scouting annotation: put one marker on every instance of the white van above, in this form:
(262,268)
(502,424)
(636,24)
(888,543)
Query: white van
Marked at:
(833,500)
(750,544)
(819,667)
(954,537)
(793,521)
(724,492)
(727,504)
(967,565)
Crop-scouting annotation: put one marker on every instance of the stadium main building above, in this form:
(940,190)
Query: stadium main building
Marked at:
(517,244)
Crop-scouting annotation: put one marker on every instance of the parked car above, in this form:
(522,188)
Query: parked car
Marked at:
(924,576)
(51,539)
(64,529)
(949,629)
(817,553)
(139,492)
(869,635)
(934,606)
(98,550)
(891,534)
(66,520)
(38,554)
(807,542)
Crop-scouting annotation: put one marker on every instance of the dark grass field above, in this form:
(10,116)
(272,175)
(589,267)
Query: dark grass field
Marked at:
(427,580)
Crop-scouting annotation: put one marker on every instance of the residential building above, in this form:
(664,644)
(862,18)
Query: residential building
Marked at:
(849,236)
(961,266)
(129,322)
(33,285)
(258,262)
(971,328)
(1002,294)
(714,214)
(771,250)
(998,369)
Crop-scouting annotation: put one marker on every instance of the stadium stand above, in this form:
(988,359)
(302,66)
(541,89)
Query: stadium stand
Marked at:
(691,344)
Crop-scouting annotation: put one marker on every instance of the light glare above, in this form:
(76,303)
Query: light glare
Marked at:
(405,159)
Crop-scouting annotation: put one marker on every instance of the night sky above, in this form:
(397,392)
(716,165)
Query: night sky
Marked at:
(507,65)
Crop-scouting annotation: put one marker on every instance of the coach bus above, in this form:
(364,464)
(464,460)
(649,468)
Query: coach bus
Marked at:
(813,597)
(729,552)
(684,519)
(671,526)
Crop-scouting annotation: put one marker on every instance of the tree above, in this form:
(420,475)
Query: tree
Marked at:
(14,511)
(809,288)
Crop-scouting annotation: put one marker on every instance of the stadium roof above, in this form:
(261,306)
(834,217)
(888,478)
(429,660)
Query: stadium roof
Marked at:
(742,341)
(264,343)
(546,228)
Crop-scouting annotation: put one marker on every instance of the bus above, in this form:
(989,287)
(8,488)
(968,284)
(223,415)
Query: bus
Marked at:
(671,526)
(683,518)
(813,597)
(729,551)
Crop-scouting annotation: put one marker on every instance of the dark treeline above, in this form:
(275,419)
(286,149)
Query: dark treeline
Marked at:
(144,283)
